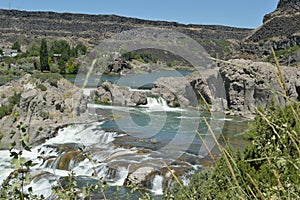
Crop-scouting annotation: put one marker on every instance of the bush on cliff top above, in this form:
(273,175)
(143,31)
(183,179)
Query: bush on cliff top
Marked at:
(7,110)
(52,78)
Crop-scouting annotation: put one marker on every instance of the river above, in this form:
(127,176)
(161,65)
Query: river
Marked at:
(129,146)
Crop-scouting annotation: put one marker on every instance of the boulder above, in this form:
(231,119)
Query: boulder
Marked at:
(138,98)
(113,94)
(175,90)
(118,66)
(186,91)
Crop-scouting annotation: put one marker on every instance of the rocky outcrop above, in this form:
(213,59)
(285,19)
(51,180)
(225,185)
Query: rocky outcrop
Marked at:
(280,31)
(187,91)
(113,94)
(118,66)
(237,87)
(91,29)
(174,90)
(283,22)
(42,107)
(252,84)
(284,7)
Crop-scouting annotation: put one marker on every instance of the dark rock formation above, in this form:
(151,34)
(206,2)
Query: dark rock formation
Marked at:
(91,29)
(280,30)
(283,22)
(119,66)
(284,6)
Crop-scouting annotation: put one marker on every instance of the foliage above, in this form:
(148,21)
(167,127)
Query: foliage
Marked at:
(44,56)
(144,57)
(13,187)
(102,102)
(63,48)
(283,53)
(7,109)
(33,49)
(222,46)
(267,169)
(176,103)
(173,63)
(72,67)
(69,188)
(80,49)
(67,55)
(52,78)
(42,87)
(16,46)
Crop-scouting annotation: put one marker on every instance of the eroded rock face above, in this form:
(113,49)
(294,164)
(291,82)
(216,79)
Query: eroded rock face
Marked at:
(43,112)
(113,94)
(186,91)
(237,87)
(284,6)
(174,90)
(251,84)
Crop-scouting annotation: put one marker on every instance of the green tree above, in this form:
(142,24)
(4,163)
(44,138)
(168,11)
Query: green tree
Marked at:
(72,67)
(44,56)
(1,52)
(81,49)
(61,47)
(16,46)
(33,49)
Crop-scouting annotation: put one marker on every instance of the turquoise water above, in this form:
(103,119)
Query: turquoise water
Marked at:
(175,139)
(173,129)
(130,80)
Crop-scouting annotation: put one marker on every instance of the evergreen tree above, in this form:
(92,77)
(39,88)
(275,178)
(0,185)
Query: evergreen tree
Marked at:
(44,56)
(16,46)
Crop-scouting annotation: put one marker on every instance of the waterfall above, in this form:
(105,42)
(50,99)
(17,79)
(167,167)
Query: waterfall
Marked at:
(157,104)
(157,185)
(107,137)
(121,176)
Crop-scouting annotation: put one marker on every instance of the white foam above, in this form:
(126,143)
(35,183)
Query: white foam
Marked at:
(159,104)
(157,185)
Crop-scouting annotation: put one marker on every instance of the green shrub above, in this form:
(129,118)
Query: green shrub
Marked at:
(144,57)
(267,169)
(15,99)
(7,110)
(42,87)
(176,103)
(45,115)
(3,111)
(283,53)
(102,102)
(52,78)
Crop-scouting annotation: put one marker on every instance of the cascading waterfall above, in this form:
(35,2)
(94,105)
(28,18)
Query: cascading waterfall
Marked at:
(117,156)
(157,185)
